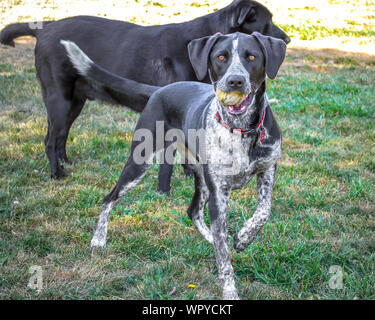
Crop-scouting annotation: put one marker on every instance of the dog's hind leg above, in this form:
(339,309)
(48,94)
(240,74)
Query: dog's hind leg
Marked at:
(198,203)
(62,109)
(133,172)
(57,110)
(262,213)
(75,109)
(131,175)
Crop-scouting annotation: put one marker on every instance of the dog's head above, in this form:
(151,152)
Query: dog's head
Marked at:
(237,64)
(248,16)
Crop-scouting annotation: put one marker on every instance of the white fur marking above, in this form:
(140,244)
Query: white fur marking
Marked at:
(77,57)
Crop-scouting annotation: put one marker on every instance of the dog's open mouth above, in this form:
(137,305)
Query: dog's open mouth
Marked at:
(237,103)
(242,106)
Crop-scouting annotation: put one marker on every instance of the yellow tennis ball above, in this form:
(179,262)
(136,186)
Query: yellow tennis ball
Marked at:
(230,98)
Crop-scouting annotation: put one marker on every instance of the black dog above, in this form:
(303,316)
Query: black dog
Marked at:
(238,134)
(155,55)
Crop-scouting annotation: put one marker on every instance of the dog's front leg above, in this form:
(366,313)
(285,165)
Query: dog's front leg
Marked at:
(246,235)
(217,205)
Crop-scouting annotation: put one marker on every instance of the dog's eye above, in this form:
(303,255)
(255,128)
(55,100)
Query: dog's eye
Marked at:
(221,58)
(251,58)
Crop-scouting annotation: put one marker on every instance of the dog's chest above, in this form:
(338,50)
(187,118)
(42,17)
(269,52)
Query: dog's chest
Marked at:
(227,151)
(233,157)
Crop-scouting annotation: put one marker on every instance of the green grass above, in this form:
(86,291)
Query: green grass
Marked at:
(316,31)
(322,214)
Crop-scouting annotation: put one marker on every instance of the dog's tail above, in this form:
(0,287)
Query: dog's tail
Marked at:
(124,91)
(15,30)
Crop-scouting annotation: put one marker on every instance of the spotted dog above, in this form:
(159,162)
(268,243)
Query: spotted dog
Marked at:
(241,137)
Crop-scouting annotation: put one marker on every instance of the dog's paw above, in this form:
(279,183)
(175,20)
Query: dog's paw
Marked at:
(230,295)
(97,248)
(59,174)
(97,243)
(239,244)
(207,235)
(164,192)
(164,188)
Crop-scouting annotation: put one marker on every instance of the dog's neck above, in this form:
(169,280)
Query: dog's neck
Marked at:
(251,118)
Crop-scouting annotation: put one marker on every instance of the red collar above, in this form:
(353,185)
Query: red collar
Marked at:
(246,133)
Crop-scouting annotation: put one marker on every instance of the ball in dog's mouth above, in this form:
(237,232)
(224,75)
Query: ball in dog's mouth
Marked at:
(236,102)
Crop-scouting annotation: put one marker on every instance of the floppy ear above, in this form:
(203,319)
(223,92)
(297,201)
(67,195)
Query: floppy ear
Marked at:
(274,53)
(199,52)
(242,11)
(246,13)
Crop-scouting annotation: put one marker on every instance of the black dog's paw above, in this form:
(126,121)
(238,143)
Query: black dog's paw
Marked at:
(59,173)
(164,189)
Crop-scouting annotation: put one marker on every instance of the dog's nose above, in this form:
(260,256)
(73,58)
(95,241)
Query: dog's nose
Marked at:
(287,39)
(236,82)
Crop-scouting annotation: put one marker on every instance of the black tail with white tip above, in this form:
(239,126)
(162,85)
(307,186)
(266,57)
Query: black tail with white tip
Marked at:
(124,91)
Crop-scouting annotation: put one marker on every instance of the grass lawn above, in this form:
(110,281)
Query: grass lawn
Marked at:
(323,212)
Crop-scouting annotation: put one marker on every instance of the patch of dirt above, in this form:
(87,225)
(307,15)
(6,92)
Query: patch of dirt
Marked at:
(330,56)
